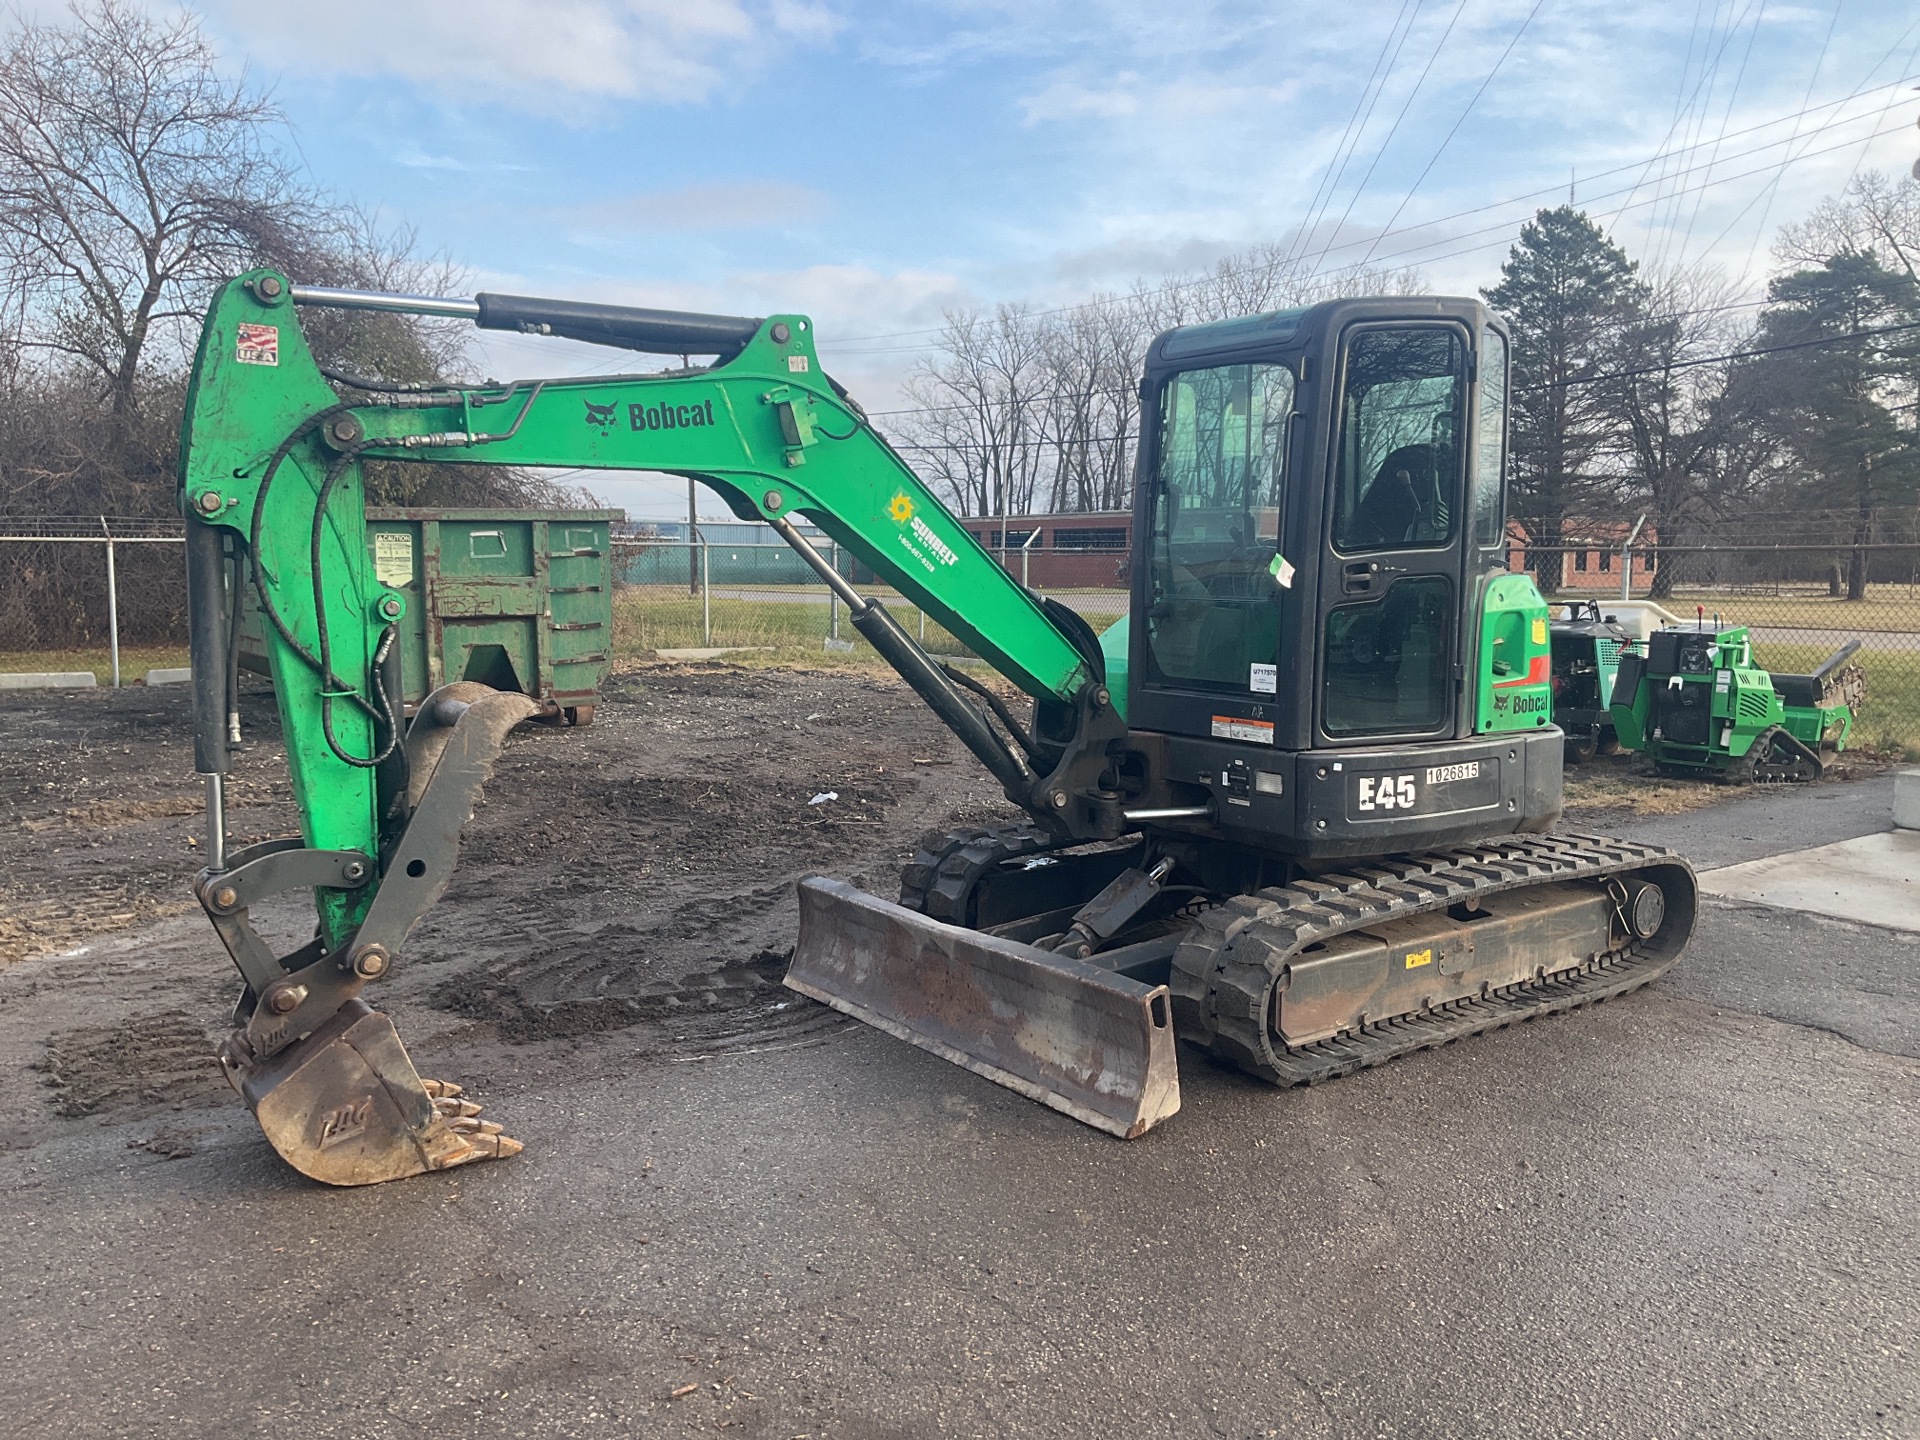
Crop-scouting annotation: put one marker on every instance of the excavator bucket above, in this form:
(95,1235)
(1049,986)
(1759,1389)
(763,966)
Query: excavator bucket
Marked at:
(343,1104)
(1089,1042)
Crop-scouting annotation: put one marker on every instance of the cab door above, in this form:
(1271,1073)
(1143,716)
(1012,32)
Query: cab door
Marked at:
(1390,590)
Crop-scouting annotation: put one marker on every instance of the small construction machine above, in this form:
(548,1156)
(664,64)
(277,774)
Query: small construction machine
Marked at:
(1693,699)
(1586,654)
(1295,810)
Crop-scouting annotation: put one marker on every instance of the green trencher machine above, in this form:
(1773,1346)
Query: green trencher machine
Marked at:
(1693,699)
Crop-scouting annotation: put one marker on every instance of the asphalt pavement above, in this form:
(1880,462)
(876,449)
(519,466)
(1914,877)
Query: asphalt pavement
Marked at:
(1687,1212)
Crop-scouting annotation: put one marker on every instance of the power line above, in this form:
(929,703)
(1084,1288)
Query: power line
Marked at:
(1328,181)
(1774,186)
(1465,111)
(847,345)
(1500,229)
(1726,118)
(1716,359)
(1685,116)
(1392,130)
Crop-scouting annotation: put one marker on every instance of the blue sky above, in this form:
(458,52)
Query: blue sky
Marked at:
(874,163)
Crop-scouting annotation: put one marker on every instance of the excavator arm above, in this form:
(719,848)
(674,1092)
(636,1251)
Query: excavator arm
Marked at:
(273,449)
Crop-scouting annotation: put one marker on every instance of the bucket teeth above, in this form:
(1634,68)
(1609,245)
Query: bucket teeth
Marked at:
(345,1106)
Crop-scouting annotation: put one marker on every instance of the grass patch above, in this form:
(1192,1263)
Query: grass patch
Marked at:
(1889,720)
(1886,608)
(646,619)
(135,661)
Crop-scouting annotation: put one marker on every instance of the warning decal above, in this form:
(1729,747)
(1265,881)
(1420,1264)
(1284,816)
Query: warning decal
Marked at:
(393,558)
(258,345)
(1232,727)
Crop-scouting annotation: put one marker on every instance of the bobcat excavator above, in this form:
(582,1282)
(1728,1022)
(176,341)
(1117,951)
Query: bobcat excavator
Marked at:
(1295,810)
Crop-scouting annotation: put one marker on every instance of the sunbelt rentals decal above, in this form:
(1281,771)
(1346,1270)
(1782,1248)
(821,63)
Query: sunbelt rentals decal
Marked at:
(917,537)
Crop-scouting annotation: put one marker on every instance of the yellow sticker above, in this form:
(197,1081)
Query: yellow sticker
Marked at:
(1539,632)
(1417,958)
(902,508)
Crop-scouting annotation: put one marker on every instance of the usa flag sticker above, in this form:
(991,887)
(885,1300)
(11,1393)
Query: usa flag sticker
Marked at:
(258,345)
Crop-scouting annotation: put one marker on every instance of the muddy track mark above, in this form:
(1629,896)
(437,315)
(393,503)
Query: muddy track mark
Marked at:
(143,1065)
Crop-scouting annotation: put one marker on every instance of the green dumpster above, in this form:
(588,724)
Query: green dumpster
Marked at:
(516,599)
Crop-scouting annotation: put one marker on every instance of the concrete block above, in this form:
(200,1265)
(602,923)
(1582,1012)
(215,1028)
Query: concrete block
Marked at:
(180,676)
(47,680)
(1906,799)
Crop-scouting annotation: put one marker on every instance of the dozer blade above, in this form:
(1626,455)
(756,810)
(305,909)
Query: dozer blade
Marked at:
(345,1106)
(1067,1033)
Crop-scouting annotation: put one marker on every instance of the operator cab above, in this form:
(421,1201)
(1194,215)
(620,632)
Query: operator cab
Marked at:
(1320,508)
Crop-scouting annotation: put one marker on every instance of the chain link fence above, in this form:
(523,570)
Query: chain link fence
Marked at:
(80,587)
(673,594)
(72,585)
(1801,602)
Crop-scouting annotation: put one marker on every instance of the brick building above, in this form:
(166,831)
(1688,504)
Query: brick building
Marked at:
(1590,553)
(1086,551)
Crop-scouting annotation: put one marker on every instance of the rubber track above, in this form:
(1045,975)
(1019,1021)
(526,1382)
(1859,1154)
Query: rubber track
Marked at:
(940,879)
(1224,972)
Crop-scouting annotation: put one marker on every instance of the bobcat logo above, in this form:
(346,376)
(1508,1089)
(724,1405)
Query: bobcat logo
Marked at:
(601,416)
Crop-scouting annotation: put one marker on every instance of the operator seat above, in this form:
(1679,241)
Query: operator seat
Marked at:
(1403,505)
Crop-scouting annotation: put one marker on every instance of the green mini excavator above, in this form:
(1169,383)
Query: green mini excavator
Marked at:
(1296,810)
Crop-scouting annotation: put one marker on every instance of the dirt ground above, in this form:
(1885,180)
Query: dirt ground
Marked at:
(635,875)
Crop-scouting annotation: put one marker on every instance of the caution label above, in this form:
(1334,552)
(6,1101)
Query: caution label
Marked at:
(1417,958)
(1232,727)
(393,558)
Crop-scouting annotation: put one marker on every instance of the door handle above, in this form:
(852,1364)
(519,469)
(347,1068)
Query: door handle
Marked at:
(1357,576)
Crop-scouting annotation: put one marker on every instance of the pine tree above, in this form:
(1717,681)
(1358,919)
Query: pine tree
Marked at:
(1567,290)
(1846,408)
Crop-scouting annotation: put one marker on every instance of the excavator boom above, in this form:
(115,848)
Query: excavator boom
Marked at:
(271,482)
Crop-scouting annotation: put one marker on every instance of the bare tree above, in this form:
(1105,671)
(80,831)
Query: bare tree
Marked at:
(1021,404)
(1090,404)
(978,431)
(1684,448)
(1874,216)
(132,174)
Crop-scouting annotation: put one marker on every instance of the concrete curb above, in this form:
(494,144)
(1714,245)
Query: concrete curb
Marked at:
(47,680)
(170,677)
(1906,799)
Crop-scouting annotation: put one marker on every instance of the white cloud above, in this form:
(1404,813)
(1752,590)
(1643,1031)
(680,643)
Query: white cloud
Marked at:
(414,158)
(551,55)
